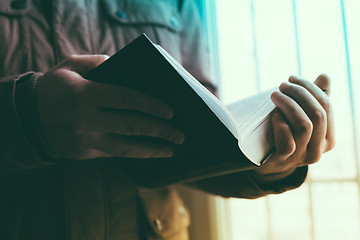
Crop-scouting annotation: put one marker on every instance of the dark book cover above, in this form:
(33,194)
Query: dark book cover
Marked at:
(209,148)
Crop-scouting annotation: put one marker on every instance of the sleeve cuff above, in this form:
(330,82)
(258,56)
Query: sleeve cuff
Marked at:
(26,108)
(280,182)
(261,178)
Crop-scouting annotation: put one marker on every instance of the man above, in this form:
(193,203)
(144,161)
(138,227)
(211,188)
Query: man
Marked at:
(64,138)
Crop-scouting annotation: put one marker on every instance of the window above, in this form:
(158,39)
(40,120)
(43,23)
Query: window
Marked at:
(260,44)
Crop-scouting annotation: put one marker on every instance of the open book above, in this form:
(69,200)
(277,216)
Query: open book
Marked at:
(219,139)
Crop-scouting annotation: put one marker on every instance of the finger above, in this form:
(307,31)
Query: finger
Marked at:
(313,110)
(128,147)
(283,139)
(119,97)
(323,82)
(297,119)
(84,63)
(324,101)
(135,124)
(315,90)
(91,154)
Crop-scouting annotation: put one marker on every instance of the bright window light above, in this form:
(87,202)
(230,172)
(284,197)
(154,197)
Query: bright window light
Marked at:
(261,43)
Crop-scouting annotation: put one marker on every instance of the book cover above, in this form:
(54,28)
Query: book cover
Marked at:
(210,147)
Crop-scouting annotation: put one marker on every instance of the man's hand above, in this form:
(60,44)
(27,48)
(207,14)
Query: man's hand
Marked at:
(303,124)
(83,119)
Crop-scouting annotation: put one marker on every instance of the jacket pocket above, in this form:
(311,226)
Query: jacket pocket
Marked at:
(162,13)
(166,216)
(159,19)
(10,221)
(14,7)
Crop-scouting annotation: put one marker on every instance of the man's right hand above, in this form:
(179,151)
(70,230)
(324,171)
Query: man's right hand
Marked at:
(84,119)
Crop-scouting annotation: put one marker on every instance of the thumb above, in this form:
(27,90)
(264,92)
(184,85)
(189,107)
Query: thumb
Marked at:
(323,82)
(84,63)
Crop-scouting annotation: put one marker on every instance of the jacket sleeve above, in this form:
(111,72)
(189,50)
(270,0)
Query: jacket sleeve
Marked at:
(250,185)
(17,113)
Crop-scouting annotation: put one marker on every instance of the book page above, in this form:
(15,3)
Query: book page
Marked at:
(253,124)
(248,120)
(218,108)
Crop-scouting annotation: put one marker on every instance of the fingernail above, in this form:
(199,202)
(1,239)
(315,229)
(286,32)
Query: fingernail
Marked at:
(168,152)
(178,139)
(167,114)
(275,94)
(284,85)
(292,78)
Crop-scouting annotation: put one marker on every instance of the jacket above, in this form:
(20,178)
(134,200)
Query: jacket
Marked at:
(44,197)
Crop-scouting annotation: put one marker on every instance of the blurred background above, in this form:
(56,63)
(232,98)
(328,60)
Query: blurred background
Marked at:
(256,45)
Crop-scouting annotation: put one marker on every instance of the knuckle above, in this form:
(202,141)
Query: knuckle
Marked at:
(330,145)
(287,148)
(314,158)
(320,115)
(301,90)
(290,147)
(305,126)
(326,104)
(285,142)
(297,89)
(313,154)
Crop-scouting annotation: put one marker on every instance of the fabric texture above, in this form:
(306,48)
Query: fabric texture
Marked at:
(43,196)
